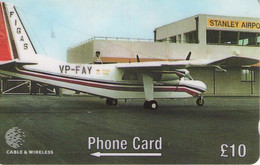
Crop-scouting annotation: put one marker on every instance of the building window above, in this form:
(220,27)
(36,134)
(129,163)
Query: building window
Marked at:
(229,37)
(233,38)
(173,39)
(213,37)
(179,38)
(162,40)
(247,75)
(246,38)
(191,37)
(258,39)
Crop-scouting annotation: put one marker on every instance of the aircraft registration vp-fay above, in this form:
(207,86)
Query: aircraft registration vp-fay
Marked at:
(141,80)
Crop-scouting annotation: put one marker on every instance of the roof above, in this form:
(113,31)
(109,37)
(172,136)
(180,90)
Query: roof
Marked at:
(215,16)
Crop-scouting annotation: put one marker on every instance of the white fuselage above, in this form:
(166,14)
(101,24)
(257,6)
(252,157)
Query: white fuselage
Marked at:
(104,80)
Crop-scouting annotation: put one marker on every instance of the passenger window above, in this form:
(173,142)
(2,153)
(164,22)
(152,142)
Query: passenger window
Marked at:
(130,75)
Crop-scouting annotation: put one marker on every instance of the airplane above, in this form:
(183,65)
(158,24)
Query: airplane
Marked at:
(140,80)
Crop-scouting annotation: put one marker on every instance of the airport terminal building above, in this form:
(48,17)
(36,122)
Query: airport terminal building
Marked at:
(206,36)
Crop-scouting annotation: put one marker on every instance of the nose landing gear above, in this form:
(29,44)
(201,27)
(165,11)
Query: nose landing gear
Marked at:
(151,104)
(200,101)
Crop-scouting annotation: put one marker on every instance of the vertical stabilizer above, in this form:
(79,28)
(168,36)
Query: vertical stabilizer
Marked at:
(21,44)
(5,47)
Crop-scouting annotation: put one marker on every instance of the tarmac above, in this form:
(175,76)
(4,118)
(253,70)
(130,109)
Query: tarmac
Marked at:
(57,129)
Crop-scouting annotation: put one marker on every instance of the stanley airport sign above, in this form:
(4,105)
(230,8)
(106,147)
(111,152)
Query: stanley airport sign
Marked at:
(234,24)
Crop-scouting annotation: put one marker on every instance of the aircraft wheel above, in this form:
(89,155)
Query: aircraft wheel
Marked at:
(151,104)
(200,101)
(146,104)
(110,101)
(114,102)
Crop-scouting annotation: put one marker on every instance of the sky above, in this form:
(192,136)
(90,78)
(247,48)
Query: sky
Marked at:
(56,25)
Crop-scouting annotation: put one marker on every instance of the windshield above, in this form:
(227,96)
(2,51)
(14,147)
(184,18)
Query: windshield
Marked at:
(187,77)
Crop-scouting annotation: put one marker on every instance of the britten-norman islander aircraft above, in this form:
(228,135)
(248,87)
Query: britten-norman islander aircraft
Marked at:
(141,80)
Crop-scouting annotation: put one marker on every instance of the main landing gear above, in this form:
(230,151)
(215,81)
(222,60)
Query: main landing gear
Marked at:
(151,104)
(200,101)
(111,101)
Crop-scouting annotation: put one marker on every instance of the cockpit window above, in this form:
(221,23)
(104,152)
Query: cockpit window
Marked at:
(130,75)
(188,77)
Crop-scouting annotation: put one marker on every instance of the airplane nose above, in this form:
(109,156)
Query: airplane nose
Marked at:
(199,85)
(202,86)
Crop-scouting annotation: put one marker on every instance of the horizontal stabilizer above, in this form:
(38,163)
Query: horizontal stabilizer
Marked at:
(5,63)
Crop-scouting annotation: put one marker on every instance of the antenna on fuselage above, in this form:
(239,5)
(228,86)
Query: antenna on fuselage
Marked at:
(137,58)
(188,57)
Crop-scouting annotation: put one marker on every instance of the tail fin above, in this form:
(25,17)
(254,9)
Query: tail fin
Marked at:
(14,40)
(5,47)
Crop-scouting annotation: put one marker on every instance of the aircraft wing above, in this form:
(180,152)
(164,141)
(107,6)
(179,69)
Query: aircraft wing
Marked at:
(235,61)
(229,61)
